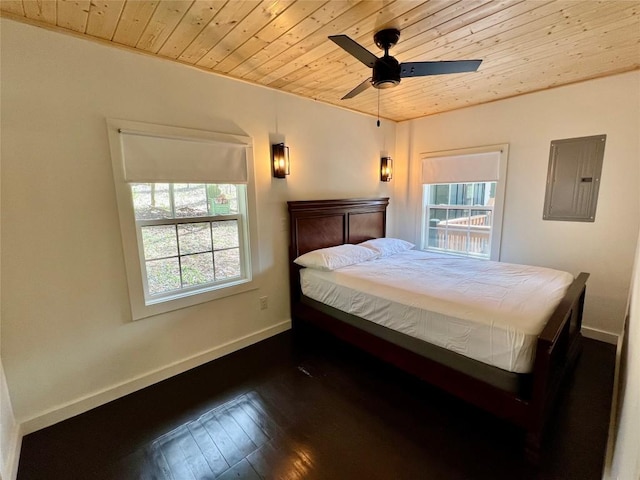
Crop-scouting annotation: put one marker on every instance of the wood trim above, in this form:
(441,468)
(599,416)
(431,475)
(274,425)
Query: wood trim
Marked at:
(600,335)
(525,47)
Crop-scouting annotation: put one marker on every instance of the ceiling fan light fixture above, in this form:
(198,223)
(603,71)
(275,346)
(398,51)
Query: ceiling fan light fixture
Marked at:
(386,73)
(385,83)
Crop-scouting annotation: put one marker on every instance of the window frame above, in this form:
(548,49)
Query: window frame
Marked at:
(195,289)
(466,229)
(141,306)
(498,207)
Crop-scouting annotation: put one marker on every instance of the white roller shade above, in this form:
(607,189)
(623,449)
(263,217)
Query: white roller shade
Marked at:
(165,159)
(476,167)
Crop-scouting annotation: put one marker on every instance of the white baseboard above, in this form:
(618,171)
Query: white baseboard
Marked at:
(601,335)
(83,404)
(613,417)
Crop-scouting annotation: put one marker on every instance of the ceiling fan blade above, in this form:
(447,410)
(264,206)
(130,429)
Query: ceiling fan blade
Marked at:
(422,69)
(359,89)
(355,49)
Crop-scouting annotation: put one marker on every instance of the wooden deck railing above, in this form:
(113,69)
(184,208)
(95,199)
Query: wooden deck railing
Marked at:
(484,219)
(464,234)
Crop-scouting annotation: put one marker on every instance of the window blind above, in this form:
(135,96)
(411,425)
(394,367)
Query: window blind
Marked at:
(476,167)
(152,158)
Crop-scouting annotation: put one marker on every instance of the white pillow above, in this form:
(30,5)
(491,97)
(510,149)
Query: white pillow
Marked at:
(387,246)
(339,256)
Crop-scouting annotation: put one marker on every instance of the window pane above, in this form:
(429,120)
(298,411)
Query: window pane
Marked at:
(163,275)
(194,237)
(456,241)
(151,201)
(456,194)
(481,217)
(227,263)
(159,241)
(439,194)
(479,193)
(465,194)
(190,200)
(233,206)
(223,199)
(197,269)
(225,234)
(457,230)
(454,225)
(479,242)
(458,216)
(439,214)
(437,237)
(468,193)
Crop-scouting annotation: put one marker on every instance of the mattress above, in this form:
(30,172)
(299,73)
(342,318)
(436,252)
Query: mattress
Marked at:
(489,311)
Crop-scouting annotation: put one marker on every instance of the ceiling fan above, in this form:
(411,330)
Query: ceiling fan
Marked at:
(387,71)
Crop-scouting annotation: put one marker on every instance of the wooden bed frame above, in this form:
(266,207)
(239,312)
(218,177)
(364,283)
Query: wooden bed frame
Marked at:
(326,223)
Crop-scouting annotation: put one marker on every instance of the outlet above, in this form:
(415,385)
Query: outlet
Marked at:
(264,303)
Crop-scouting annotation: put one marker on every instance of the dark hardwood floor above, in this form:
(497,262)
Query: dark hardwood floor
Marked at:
(286,410)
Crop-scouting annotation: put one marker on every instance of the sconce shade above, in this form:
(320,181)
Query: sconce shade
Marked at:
(386,169)
(280,160)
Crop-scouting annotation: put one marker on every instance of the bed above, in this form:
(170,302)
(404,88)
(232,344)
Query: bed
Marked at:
(519,387)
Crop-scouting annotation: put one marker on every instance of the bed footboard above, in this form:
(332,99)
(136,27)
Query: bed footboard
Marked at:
(557,350)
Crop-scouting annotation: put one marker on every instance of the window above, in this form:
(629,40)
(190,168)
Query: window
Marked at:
(187,214)
(191,236)
(463,196)
(459,218)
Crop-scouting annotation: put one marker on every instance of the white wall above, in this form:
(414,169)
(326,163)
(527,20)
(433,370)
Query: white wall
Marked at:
(529,123)
(9,433)
(9,429)
(626,419)
(68,342)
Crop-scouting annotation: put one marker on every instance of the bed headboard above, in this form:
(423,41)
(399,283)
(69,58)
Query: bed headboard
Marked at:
(326,223)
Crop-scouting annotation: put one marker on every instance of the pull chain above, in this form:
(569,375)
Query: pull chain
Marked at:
(378,122)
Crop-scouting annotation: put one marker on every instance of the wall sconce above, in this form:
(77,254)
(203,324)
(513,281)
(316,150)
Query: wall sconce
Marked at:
(386,169)
(280,160)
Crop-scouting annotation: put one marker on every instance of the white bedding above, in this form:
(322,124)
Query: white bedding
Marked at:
(488,311)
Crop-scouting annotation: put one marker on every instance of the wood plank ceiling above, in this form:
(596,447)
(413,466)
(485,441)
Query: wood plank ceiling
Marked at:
(525,45)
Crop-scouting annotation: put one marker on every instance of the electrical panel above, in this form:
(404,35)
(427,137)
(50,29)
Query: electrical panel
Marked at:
(573,179)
